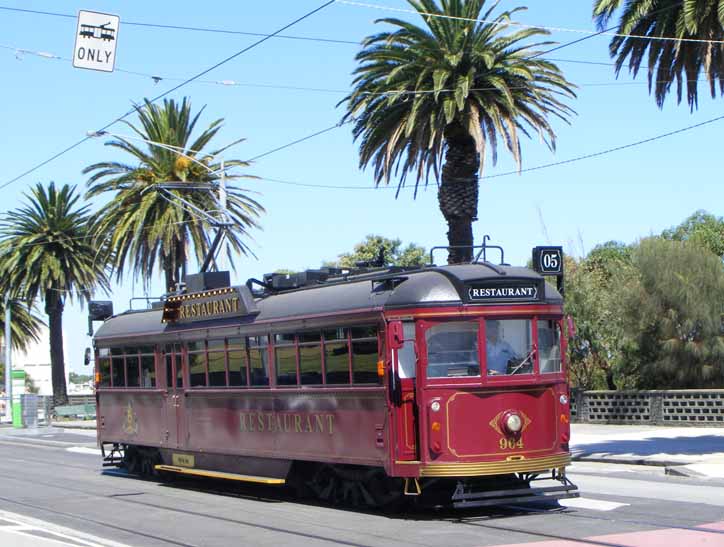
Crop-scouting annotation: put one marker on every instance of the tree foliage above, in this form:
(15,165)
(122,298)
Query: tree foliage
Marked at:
(592,301)
(701,228)
(147,228)
(453,88)
(395,254)
(668,60)
(672,316)
(47,252)
(647,316)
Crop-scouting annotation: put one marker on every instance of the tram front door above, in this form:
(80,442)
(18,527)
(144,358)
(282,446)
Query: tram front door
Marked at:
(174,395)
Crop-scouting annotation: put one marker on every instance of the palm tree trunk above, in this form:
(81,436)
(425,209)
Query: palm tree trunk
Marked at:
(458,194)
(54,309)
(169,272)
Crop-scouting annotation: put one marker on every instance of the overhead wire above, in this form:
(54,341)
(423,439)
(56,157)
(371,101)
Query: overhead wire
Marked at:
(190,28)
(175,88)
(592,33)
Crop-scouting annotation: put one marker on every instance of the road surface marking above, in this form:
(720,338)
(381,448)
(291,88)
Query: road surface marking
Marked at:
(84,450)
(595,505)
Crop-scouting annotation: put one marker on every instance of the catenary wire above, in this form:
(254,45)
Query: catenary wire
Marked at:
(231,83)
(606,32)
(192,29)
(175,88)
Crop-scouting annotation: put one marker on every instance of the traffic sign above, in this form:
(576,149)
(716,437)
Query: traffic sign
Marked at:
(548,260)
(95,41)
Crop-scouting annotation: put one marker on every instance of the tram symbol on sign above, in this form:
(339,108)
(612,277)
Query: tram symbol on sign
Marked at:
(101,32)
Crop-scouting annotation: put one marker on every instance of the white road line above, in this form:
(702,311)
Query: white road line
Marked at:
(595,505)
(50,532)
(84,450)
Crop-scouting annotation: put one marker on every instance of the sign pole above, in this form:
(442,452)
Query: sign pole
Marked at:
(8,363)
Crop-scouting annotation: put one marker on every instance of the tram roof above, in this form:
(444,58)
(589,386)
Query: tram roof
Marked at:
(386,290)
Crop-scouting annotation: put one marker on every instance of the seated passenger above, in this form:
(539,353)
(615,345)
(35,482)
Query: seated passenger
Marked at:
(498,351)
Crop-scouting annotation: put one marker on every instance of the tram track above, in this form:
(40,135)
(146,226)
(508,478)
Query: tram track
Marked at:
(281,496)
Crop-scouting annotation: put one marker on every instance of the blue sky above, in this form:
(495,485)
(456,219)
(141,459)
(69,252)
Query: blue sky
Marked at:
(47,105)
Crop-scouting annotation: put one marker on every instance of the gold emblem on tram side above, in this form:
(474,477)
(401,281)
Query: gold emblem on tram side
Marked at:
(130,425)
(495,422)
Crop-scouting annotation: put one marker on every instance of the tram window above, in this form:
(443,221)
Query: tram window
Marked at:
(285,359)
(197,369)
(216,345)
(146,350)
(310,364)
(336,360)
(309,337)
(335,334)
(406,356)
(509,346)
(258,359)
(235,342)
(103,366)
(132,370)
(196,346)
(217,368)
(452,350)
(119,371)
(237,367)
(148,370)
(364,332)
(549,346)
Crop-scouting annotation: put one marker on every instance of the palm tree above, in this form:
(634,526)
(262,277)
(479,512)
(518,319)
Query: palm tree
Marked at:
(25,328)
(144,226)
(25,324)
(453,87)
(663,24)
(47,252)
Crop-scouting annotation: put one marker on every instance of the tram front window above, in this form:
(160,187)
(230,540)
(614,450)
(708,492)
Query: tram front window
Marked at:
(452,350)
(509,346)
(549,342)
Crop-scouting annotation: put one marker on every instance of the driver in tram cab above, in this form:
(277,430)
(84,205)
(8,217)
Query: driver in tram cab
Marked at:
(498,351)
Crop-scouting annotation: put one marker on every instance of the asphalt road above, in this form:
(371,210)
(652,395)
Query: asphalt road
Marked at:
(56,483)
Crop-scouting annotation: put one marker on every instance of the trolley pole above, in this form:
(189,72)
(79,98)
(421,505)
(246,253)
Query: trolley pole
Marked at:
(8,363)
(224,216)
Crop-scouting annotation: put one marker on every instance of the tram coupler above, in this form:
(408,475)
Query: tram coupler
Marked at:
(113,458)
(417,489)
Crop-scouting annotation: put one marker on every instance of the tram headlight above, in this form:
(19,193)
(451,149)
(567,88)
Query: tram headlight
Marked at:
(563,399)
(435,406)
(513,423)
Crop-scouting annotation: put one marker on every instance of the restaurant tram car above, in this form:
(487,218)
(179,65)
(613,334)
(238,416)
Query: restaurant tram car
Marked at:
(357,386)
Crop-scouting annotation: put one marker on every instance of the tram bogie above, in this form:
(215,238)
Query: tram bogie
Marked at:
(362,387)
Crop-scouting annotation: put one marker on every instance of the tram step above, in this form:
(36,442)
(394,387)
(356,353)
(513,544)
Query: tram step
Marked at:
(526,495)
(219,475)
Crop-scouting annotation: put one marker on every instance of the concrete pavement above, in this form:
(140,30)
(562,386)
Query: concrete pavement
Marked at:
(689,451)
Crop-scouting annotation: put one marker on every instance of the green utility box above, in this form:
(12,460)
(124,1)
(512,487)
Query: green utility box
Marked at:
(18,379)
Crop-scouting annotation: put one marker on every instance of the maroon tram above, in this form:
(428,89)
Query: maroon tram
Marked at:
(360,386)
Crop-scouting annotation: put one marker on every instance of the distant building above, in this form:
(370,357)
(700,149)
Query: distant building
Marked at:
(36,363)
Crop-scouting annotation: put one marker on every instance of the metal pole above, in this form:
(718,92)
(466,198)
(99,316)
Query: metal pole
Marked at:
(8,363)
(222,200)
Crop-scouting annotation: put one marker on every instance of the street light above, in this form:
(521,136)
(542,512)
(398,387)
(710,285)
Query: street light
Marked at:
(223,225)
(8,363)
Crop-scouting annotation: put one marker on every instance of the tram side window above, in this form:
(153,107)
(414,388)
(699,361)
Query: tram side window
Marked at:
(118,368)
(310,358)
(452,349)
(365,350)
(133,369)
(549,345)
(148,367)
(237,363)
(257,350)
(103,367)
(217,363)
(197,363)
(336,356)
(285,357)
